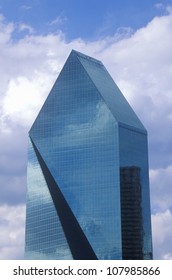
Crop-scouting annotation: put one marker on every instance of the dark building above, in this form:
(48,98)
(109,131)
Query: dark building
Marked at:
(88,184)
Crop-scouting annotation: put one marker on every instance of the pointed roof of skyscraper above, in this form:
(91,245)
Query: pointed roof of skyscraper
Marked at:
(116,102)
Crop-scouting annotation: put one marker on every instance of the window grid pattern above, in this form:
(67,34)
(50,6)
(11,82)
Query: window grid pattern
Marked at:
(86,133)
(76,135)
(45,238)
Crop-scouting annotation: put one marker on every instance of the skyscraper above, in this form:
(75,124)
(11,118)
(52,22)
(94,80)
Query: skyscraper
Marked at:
(88,185)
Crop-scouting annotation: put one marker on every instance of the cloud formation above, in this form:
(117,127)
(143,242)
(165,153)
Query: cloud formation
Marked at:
(141,65)
(12,231)
(162,234)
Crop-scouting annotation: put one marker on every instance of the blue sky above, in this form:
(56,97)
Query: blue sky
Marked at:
(133,40)
(85,19)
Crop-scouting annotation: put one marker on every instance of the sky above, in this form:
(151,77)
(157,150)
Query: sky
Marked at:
(133,39)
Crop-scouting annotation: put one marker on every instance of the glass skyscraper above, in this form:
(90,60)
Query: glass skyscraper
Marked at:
(88,184)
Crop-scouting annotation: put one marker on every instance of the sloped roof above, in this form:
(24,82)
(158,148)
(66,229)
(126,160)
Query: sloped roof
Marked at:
(118,105)
(107,88)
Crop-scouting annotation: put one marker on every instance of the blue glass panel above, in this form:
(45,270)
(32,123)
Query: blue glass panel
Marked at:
(95,148)
(77,136)
(134,153)
(114,99)
(44,234)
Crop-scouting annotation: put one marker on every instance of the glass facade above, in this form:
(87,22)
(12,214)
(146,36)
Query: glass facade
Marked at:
(87,167)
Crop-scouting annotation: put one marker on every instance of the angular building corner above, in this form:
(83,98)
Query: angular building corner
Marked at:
(88,185)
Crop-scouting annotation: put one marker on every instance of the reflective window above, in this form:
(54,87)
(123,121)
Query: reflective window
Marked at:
(44,235)
(80,136)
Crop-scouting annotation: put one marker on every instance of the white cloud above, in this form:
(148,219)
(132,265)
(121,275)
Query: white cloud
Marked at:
(169,9)
(168,256)
(159,5)
(161,191)
(24,96)
(12,221)
(25,27)
(162,228)
(140,65)
(25,7)
(141,70)
(144,62)
(6,30)
(58,20)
